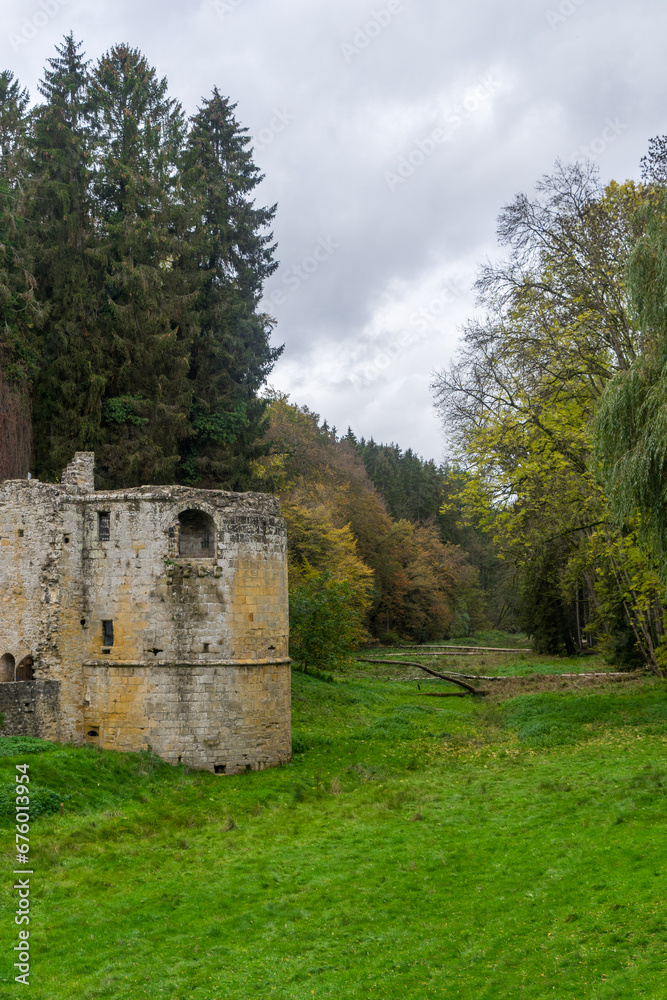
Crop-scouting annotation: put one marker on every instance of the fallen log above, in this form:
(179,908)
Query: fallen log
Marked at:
(444,652)
(502,677)
(434,673)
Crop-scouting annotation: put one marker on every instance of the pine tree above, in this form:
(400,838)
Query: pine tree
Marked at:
(149,258)
(18,313)
(231,356)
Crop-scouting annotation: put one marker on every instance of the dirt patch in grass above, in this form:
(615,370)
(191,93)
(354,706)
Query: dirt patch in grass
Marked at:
(510,687)
(501,687)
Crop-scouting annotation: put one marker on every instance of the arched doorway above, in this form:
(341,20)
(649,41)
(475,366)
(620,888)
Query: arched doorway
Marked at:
(7,668)
(196,534)
(24,669)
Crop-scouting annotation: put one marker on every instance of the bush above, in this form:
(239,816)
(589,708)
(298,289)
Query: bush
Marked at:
(326,621)
(42,800)
(15,746)
(390,638)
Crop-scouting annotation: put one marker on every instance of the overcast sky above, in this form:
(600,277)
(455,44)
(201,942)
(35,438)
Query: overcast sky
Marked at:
(390,133)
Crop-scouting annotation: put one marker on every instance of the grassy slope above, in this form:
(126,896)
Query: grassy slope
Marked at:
(409,851)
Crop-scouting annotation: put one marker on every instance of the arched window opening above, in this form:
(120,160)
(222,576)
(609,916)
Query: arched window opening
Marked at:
(196,534)
(7,668)
(24,670)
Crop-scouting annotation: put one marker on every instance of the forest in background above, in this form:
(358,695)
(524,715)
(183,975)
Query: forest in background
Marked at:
(370,552)
(132,261)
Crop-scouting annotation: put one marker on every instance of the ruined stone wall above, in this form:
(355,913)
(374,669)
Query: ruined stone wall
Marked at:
(198,666)
(31,532)
(30,708)
(229,605)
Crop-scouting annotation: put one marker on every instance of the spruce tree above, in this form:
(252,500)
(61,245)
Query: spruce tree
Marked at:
(148,315)
(14,101)
(19,348)
(61,229)
(149,257)
(230,355)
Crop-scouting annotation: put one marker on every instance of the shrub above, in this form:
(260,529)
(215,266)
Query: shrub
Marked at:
(15,746)
(42,800)
(326,621)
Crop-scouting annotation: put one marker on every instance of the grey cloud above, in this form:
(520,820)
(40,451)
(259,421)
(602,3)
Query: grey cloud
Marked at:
(354,116)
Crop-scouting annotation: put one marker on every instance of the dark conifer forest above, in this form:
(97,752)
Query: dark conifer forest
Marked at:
(132,265)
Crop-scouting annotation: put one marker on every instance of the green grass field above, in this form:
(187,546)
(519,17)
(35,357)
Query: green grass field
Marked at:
(415,847)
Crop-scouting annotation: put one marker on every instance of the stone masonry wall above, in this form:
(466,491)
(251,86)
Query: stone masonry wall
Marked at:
(30,708)
(224,718)
(198,668)
(32,523)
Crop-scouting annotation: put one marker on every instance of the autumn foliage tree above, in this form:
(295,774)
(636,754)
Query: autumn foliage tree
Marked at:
(401,580)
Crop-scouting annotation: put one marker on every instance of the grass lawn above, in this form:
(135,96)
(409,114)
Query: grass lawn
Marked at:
(415,847)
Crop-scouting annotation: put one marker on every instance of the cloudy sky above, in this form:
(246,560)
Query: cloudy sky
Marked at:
(390,133)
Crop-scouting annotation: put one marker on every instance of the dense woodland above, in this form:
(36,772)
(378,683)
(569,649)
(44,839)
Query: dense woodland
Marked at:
(391,577)
(132,265)
(132,261)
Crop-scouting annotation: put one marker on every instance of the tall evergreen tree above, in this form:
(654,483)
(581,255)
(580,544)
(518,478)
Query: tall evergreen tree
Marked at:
(149,258)
(147,320)
(18,313)
(230,355)
(61,232)
(14,101)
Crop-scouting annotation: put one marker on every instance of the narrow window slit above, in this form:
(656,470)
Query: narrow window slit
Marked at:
(103,525)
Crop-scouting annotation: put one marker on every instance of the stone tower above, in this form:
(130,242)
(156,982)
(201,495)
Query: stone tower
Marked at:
(153,617)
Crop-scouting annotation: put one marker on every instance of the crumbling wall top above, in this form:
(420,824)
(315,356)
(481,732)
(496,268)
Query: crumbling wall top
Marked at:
(80,472)
(251,503)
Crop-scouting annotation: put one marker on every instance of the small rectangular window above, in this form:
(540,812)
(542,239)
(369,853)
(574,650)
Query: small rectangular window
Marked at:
(103,526)
(107,633)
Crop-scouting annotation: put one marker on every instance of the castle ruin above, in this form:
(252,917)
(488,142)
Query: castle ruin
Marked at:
(153,617)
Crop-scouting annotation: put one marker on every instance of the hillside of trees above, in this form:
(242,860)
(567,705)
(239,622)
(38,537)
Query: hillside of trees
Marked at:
(392,577)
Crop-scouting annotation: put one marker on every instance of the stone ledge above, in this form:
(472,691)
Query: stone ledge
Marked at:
(274,661)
